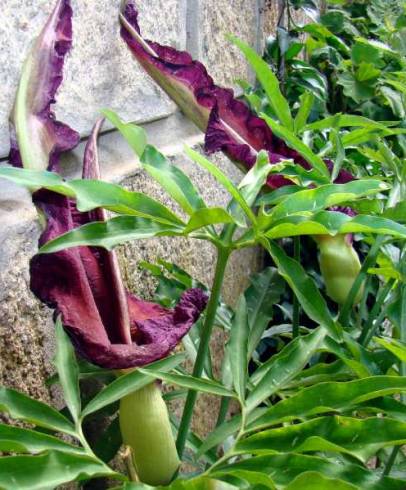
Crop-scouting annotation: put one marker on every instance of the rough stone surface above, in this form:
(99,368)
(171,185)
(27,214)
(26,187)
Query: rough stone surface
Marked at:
(210,23)
(270,14)
(24,322)
(99,71)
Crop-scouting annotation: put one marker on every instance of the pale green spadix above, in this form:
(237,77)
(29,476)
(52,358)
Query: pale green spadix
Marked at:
(146,429)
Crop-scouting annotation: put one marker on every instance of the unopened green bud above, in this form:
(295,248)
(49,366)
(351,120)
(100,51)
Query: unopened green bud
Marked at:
(146,429)
(339,265)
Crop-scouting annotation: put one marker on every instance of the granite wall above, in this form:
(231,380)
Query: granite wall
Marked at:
(101,73)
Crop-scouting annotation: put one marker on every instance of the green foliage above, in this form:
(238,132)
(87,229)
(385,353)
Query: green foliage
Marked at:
(52,461)
(320,386)
(290,404)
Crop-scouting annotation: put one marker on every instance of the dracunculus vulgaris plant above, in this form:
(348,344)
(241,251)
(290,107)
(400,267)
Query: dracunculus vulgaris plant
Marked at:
(76,271)
(108,325)
(230,126)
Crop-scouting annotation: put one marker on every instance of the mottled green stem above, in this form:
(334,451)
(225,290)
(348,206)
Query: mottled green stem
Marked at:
(146,429)
(222,259)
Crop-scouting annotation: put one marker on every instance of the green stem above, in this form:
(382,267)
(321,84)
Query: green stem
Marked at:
(370,325)
(296,304)
(368,262)
(222,259)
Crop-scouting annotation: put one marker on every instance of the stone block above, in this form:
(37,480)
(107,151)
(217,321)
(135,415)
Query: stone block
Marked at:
(209,22)
(99,71)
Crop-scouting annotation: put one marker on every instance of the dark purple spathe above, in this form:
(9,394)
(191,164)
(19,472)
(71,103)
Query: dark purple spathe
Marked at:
(108,325)
(229,124)
(41,77)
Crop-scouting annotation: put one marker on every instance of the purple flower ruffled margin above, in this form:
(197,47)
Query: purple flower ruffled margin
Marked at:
(229,125)
(41,138)
(108,325)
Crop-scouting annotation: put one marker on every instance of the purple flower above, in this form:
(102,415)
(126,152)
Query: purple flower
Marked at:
(41,138)
(229,125)
(108,325)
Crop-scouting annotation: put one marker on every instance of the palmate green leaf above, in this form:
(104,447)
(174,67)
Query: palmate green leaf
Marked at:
(16,439)
(329,397)
(189,382)
(91,194)
(68,371)
(297,144)
(206,217)
(305,289)
(360,438)
(284,468)
(238,347)
(264,292)
(135,135)
(108,234)
(223,180)
(333,223)
(22,407)
(126,384)
(312,480)
(49,470)
(282,367)
(305,108)
(269,82)
(313,200)
(397,347)
(176,183)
